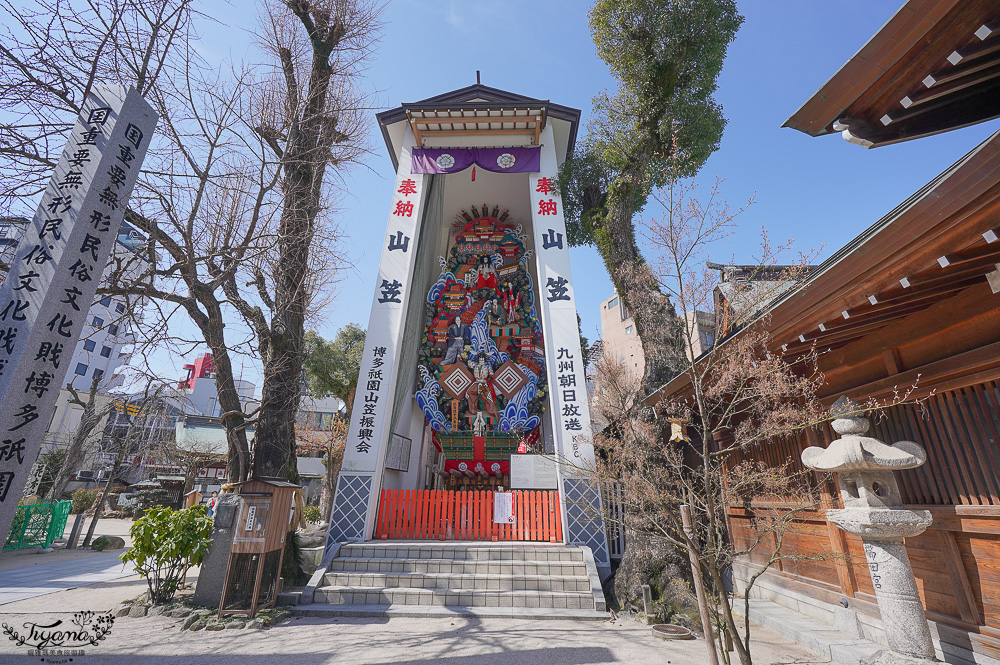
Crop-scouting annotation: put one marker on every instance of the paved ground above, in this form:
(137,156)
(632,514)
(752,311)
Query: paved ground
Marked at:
(48,578)
(367,641)
(32,556)
(28,573)
(406,642)
(311,641)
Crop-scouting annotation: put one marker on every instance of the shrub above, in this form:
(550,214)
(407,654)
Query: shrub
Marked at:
(312,514)
(83,499)
(163,542)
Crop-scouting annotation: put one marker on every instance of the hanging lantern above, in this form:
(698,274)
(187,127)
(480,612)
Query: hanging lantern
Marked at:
(678,430)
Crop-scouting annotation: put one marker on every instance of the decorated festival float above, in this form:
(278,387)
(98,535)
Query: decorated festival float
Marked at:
(470,419)
(481,367)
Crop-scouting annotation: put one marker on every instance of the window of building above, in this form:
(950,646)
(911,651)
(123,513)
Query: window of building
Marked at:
(98,373)
(613,303)
(629,329)
(89,344)
(708,339)
(120,308)
(625,313)
(81,369)
(106,351)
(113,329)
(98,322)
(106,302)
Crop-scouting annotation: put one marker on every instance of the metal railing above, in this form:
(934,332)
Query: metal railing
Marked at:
(38,524)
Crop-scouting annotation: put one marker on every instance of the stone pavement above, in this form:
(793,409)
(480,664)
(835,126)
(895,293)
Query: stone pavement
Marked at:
(454,640)
(28,582)
(407,641)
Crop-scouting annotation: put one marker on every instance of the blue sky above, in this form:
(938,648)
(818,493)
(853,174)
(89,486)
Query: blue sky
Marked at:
(820,191)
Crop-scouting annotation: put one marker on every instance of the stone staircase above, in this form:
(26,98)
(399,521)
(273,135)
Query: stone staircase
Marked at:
(428,578)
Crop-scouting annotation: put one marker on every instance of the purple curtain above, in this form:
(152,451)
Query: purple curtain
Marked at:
(498,160)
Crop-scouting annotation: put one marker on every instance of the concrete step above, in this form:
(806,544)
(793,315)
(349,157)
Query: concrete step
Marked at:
(473,552)
(338,610)
(475,582)
(462,567)
(341,595)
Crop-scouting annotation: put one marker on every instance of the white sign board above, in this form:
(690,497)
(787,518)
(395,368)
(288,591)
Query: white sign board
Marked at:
(398,455)
(251,514)
(503,508)
(533,472)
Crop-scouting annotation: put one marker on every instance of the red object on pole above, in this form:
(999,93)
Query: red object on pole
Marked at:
(479,448)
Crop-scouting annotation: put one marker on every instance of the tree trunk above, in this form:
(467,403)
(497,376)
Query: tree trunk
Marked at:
(233,418)
(74,454)
(638,289)
(304,165)
(104,496)
(332,463)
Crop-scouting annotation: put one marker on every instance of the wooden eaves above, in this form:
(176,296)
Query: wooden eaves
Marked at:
(933,67)
(481,121)
(936,248)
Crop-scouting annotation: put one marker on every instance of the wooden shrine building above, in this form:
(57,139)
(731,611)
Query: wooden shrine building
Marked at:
(914,299)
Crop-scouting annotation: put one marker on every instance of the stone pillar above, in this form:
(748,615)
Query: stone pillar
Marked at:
(212,577)
(873,510)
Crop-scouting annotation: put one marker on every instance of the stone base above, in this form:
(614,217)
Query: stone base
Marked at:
(886,657)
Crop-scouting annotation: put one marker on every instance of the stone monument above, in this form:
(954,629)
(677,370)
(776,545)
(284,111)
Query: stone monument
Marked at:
(873,510)
(212,577)
(55,271)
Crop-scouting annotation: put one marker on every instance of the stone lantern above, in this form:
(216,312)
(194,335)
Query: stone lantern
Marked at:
(873,510)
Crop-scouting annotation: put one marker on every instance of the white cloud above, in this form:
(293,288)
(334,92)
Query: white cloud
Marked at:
(452,17)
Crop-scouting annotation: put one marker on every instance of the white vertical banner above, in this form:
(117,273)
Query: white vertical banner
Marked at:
(564,359)
(368,436)
(583,521)
(54,275)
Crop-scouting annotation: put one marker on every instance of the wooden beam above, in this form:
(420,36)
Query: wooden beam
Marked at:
(416,130)
(959,578)
(891,358)
(954,85)
(479,132)
(962,364)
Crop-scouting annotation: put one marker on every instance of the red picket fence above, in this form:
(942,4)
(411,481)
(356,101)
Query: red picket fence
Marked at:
(451,515)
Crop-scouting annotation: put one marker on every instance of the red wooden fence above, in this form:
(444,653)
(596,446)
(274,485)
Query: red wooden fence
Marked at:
(451,515)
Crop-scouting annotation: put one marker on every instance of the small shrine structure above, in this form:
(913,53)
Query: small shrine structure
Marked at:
(472,362)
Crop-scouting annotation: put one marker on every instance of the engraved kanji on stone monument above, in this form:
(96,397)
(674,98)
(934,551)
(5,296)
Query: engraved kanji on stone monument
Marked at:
(51,283)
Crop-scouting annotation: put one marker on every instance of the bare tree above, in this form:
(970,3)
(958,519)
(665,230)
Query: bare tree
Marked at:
(233,192)
(92,416)
(311,118)
(141,428)
(53,54)
(737,398)
(329,440)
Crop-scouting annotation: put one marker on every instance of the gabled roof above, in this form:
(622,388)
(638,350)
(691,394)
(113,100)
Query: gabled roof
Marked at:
(474,97)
